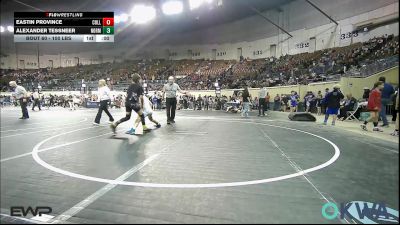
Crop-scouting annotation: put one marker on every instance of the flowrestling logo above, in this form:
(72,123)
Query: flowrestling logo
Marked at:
(361,212)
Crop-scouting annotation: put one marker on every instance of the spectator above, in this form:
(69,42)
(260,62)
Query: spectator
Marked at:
(199,102)
(323,104)
(285,101)
(246,102)
(366,94)
(319,102)
(294,101)
(396,130)
(387,93)
(348,105)
(374,106)
(267,101)
(277,102)
(395,110)
(332,100)
(308,100)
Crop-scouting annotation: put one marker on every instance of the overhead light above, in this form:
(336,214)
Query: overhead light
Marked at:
(2,29)
(123,17)
(172,7)
(142,14)
(193,4)
(10,28)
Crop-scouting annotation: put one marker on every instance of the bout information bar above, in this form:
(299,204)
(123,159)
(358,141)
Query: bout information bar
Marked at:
(63,27)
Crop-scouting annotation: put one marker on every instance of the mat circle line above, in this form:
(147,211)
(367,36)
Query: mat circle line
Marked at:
(41,162)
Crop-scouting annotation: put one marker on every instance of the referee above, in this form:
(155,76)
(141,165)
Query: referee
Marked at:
(21,94)
(170,90)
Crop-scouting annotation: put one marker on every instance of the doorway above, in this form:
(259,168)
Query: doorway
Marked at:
(313,43)
(214,54)
(272,50)
(239,53)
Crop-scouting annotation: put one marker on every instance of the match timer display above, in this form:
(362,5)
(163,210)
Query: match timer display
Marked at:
(64,27)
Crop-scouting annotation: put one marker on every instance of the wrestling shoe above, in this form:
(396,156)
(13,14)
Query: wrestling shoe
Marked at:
(364,127)
(377,129)
(96,124)
(395,133)
(158,125)
(168,122)
(145,129)
(131,131)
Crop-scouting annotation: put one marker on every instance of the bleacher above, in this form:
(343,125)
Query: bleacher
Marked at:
(359,59)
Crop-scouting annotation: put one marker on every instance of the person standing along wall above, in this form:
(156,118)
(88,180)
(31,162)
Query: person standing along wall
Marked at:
(294,101)
(332,100)
(267,101)
(277,102)
(374,106)
(319,102)
(396,130)
(261,101)
(246,102)
(323,103)
(71,101)
(154,101)
(387,93)
(170,90)
(21,94)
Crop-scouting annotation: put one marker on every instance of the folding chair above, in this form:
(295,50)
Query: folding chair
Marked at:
(350,114)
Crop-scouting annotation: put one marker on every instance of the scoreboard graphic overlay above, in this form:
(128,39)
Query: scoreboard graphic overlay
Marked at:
(63,27)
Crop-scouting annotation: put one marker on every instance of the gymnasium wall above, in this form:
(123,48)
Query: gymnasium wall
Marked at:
(355,85)
(348,85)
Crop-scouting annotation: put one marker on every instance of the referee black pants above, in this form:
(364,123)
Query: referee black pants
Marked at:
(261,106)
(171,108)
(103,107)
(24,109)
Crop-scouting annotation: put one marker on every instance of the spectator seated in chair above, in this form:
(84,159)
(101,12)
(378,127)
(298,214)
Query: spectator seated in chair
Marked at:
(349,104)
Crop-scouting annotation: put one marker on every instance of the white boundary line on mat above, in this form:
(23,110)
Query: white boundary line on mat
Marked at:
(36,150)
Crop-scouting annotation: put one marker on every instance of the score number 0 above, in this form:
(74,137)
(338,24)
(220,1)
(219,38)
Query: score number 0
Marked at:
(108,22)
